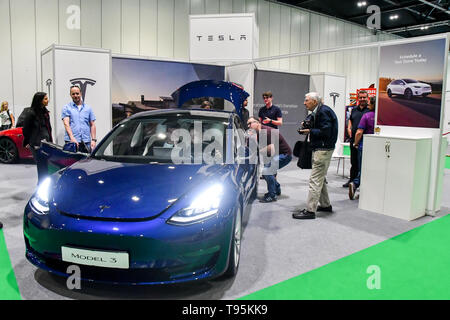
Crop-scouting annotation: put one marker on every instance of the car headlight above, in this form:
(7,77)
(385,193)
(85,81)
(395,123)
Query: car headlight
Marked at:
(418,87)
(203,206)
(40,199)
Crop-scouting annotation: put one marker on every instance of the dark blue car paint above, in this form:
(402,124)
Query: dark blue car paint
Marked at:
(211,88)
(159,251)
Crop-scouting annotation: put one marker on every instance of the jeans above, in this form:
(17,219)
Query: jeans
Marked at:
(354,162)
(357,180)
(269,172)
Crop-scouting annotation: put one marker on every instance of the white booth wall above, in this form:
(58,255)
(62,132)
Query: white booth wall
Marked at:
(447,105)
(325,84)
(159,28)
(62,65)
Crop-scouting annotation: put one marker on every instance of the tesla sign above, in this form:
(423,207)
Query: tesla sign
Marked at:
(222,37)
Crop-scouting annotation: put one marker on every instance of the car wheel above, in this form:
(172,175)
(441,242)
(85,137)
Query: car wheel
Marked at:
(408,94)
(8,151)
(235,250)
(389,92)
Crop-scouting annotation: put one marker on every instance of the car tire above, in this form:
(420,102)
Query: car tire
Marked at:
(389,93)
(235,247)
(8,151)
(408,94)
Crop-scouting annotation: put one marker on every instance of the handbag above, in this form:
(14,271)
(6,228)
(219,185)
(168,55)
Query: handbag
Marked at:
(303,151)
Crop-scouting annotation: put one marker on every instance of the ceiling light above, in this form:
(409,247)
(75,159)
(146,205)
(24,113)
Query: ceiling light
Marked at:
(361,4)
(393,17)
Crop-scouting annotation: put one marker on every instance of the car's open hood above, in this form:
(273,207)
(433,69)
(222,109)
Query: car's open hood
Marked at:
(109,190)
(212,88)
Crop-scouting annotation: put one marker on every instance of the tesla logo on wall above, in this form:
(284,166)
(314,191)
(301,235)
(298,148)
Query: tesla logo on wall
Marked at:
(222,37)
(334,95)
(83,83)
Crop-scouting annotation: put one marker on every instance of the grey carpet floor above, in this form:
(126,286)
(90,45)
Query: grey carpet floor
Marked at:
(275,247)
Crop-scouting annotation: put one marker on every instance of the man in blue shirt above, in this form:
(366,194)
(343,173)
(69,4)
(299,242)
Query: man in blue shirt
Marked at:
(79,121)
(270,115)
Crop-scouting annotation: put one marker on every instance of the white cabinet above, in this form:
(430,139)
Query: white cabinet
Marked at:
(395,176)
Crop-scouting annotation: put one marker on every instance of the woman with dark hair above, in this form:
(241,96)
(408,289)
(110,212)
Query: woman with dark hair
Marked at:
(37,128)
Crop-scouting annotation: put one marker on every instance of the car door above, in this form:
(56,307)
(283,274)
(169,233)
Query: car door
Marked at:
(401,87)
(394,86)
(51,158)
(245,168)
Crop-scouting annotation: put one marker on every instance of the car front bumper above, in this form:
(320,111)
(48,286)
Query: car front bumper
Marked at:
(159,253)
(421,91)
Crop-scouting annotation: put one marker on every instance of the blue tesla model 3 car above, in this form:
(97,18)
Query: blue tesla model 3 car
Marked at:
(160,200)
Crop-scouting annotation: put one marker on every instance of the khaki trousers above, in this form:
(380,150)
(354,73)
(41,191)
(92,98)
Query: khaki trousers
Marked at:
(318,192)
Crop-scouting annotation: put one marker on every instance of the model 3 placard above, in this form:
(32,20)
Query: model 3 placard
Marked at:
(104,259)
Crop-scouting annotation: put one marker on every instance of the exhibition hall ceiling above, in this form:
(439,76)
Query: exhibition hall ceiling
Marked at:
(404,18)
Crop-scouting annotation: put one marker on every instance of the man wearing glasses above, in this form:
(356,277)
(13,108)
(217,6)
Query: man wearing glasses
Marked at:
(270,115)
(274,159)
(323,136)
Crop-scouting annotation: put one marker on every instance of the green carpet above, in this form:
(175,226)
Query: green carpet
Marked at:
(346,151)
(8,284)
(413,265)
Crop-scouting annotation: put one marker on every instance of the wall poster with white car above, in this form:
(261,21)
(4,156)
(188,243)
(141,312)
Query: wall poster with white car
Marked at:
(410,84)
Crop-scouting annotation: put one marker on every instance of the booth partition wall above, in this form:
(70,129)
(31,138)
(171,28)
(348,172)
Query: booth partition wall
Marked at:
(160,29)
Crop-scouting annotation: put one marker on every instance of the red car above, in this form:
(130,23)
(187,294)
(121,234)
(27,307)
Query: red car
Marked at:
(11,148)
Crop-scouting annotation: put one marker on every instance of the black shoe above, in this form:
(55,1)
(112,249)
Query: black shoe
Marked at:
(325,209)
(268,194)
(1,225)
(351,191)
(304,214)
(345,185)
(267,198)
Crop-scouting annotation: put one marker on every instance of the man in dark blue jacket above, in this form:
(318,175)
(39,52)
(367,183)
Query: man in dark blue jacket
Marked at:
(323,136)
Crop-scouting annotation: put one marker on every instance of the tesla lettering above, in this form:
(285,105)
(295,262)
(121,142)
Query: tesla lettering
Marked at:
(222,37)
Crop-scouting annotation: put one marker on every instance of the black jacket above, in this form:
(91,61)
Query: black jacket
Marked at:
(245,116)
(324,129)
(35,129)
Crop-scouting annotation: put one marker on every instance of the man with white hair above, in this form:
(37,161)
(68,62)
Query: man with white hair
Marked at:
(323,136)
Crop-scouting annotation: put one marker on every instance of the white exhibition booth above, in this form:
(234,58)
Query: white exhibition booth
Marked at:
(90,69)
(332,88)
(402,166)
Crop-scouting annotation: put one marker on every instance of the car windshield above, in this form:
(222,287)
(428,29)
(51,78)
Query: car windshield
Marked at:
(173,138)
(410,81)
